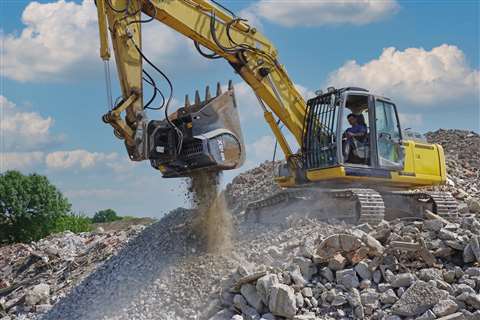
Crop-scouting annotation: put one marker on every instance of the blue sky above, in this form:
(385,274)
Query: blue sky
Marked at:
(425,56)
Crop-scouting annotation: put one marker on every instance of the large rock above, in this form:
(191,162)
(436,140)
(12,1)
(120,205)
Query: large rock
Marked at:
(39,294)
(445,307)
(307,267)
(282,301)
(470,299)
(428,274)
(417,299)
(337,262)
(363,271)
(474,205)
(388,297)
(402,280)
(297,277)
(264,286)
(253,298)
(347,278)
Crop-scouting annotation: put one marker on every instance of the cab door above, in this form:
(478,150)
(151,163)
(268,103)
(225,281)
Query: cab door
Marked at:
(388,136)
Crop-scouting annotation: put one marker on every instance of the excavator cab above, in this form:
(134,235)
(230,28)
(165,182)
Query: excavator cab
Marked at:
(377,139)
(353,129)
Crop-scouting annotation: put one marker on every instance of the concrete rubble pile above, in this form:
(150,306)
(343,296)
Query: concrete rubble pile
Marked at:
(300,269)
(35,276)
(399,270)
(252,185)
(462,150)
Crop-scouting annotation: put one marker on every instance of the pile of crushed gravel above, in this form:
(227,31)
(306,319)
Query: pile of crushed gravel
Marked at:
(167,272)
(399,270)
(252,185)
(170,272)
(462,151)
(35,276)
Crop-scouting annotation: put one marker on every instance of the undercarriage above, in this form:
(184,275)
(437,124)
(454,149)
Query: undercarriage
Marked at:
(353,205)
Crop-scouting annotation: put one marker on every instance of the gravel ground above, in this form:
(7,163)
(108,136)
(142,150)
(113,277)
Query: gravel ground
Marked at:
(170,272)
(167,273)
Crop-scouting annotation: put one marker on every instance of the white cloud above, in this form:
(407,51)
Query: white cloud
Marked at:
(60,41)
(102,193)
(23,131)
(415,74)
(261,149)
(58,38)
(252,17)
(122,165)
(248,105)
(410,120)
(317,13)
(305,92)
(78,159)
(20,160)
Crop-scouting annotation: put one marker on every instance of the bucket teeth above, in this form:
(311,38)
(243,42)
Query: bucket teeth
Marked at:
(208,96)
(197,98)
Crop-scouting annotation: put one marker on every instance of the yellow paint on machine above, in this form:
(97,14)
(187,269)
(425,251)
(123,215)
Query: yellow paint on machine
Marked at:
(424,166)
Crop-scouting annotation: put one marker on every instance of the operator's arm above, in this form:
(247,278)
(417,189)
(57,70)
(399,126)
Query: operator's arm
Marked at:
(251,54)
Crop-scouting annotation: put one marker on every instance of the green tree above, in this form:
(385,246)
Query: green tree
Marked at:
(106,215)
(73,222)
(30,207)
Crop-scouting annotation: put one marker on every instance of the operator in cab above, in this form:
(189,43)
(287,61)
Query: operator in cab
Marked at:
(358,127)
(355,139)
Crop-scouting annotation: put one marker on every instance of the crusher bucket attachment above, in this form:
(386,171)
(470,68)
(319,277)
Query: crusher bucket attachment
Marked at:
(203,136)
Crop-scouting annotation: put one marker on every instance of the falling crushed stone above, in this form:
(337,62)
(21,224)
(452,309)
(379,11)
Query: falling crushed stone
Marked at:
(214,221)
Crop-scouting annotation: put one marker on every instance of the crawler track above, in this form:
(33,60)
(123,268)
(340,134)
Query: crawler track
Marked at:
(357,205)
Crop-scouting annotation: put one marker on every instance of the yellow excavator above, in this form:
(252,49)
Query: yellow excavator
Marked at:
(352,153)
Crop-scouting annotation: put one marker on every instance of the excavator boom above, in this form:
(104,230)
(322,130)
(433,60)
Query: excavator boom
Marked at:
(206,135)
(212,27)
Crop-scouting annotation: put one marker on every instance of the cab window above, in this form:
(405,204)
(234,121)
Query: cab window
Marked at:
(356,130)
(388,135)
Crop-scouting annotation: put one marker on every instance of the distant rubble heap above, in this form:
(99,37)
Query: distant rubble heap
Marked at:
(462,150)
(252,185)
(35,276)
(399,270)
(303,270)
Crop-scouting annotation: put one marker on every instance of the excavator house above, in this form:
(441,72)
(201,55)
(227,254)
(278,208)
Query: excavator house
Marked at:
(352,153)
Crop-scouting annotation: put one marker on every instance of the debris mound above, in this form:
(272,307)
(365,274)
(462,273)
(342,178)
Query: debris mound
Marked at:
(460,145)
(399,270)
(186,267)
(462,151)
(252,185)
(35,276)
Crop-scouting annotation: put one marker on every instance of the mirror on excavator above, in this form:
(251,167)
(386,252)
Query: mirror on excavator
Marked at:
(203,136)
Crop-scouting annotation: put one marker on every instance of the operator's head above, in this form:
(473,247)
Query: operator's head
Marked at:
(352,119)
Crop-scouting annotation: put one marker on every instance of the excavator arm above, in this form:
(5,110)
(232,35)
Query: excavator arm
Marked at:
(210,26)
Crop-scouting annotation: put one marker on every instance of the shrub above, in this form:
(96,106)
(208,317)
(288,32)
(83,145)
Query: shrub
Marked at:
(30,207)
(107,215)
(73,222)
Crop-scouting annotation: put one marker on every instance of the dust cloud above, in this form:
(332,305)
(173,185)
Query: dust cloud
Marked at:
(214,220)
